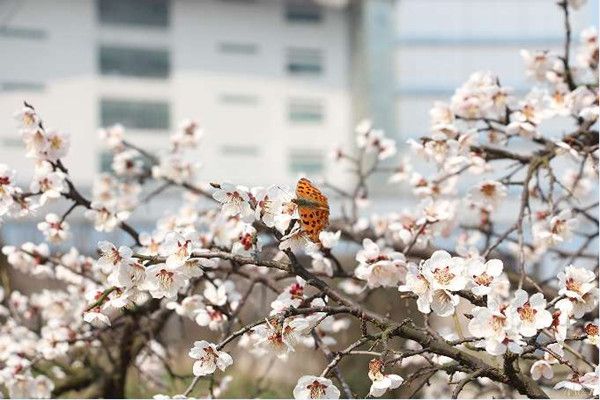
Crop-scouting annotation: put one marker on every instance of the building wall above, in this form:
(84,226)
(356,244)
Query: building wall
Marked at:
(241,98)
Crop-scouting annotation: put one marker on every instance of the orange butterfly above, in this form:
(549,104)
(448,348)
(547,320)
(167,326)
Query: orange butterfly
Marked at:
(313,208)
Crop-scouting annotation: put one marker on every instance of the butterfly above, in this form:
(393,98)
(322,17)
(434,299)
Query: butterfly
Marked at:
(313,209)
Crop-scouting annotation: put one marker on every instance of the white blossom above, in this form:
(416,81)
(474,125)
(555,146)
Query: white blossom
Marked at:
(379,267)
(128,274)
(580,287)
(381,382)
(58,145)
(113,136)
(487,278)
(488,194)
(177,248)
(96,318)
(554,231)
(298,241)
(572,384)
(210,316)
(54,228)
(591,381)
(315,387)
(329,239)
(544,367)
(277,337)
(163,281)
(128,163)
(292,296)
(187,307)
(321,264)
(496,327)
(234,200)
(435,281)
(111,257)
(105,216)
(50,183)
(529,313)
(208,358)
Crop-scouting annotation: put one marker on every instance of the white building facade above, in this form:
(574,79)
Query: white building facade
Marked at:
(274,83)
(267,80)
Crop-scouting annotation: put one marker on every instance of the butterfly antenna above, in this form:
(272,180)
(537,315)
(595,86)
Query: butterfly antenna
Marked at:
(282,189)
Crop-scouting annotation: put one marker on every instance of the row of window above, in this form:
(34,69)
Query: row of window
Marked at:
(157,13)
(156,115)
(18,32)
(156,63)
(147,115)
(21,86)
(132,61)
(306,161)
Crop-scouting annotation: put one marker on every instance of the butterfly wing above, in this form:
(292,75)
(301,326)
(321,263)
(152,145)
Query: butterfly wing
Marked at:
(307,191)
(313,221)
(313,218)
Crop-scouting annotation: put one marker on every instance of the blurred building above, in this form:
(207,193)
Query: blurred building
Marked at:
(269,81)
(274,83)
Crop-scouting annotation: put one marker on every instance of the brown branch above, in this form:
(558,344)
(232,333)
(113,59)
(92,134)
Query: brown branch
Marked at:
(564,5)
(469,378)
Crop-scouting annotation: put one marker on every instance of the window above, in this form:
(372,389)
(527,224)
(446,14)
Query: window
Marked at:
(305,111)
(305,161)
(239,150)
(18,86)
(105,161)
(129,61)
(302,61)
(238,99)
(153,13)
(22,33)
(302,11)
(246,49)
(152,115)
(238,1)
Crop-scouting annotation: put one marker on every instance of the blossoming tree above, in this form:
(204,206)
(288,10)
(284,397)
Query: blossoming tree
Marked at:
(497,258)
